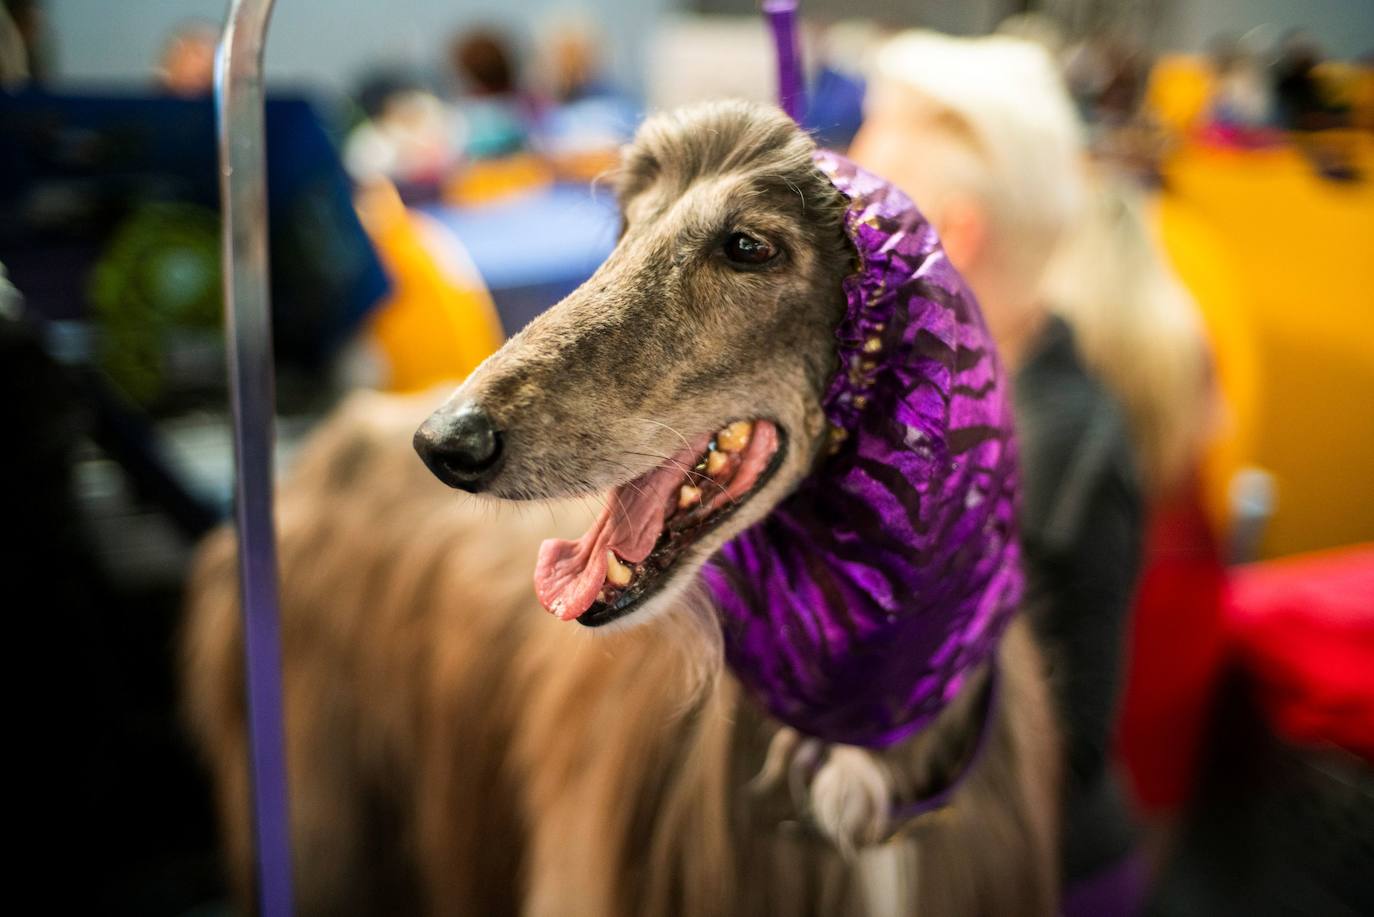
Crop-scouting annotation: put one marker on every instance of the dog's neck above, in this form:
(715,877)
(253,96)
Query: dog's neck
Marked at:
(858,609)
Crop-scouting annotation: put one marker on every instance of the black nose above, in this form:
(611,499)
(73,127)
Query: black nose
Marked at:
(461,447)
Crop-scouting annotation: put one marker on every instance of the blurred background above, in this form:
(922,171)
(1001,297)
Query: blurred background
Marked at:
(434,173)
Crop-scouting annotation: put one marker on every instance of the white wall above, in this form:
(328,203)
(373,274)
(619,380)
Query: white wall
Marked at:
(1345,28)
(325,41)
(334,41)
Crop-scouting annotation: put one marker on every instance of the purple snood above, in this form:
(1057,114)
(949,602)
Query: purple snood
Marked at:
(857,609)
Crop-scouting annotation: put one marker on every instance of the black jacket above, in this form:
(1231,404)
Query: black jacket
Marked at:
(1082,524)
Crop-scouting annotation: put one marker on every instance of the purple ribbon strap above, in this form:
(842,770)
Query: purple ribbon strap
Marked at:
(782,18)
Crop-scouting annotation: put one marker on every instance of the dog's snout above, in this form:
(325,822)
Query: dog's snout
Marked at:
(462,447)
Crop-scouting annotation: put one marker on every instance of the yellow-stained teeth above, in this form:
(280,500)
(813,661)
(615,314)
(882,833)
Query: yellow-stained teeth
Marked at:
(617,574)
(716,462)
(688,496)
(736,436)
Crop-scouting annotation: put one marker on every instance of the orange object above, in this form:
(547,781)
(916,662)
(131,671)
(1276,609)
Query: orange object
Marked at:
(1213,275)
(483,181)
(1278,259)
(1178,91)
(439,322)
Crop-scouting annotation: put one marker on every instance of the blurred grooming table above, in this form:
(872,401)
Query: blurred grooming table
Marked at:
(536,248)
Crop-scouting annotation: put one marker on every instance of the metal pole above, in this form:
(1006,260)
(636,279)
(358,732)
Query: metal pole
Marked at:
(248,328)
(782,18)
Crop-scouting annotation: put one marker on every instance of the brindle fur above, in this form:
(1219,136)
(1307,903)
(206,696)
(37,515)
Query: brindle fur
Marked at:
(453,750)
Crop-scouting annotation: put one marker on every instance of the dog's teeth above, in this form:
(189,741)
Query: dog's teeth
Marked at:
(617,574)
(736,436)
(715,463)
(556,609)
(688,495)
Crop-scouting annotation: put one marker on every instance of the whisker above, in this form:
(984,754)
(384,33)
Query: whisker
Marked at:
(632,482)
(670,429)
(690,473)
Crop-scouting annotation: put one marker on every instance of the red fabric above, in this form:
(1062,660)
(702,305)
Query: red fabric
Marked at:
(1176,654)
(1304,627)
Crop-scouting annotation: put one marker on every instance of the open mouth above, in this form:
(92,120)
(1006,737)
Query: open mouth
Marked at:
(648,523)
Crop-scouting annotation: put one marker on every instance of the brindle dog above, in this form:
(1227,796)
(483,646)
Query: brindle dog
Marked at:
(452,750)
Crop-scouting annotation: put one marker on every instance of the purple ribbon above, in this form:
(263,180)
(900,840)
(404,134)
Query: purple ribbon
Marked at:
(782,18)
(863,603)
(903,815)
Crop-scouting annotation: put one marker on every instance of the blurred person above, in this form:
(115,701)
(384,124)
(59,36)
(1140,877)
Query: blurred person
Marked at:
(1129,69)
(1136,145)
(1140,330)
(998,175)
(23,54)
(378,84)
(14,55)
(1106,74)
(1085,72)
(1302,101)
(583,118)
(982,133)
(1241,108)
(489,99)
(186,67)
(482,58)
(570,62)
(1309,111)
(413,139)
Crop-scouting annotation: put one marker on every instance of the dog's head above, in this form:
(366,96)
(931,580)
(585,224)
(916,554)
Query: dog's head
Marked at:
(684,379)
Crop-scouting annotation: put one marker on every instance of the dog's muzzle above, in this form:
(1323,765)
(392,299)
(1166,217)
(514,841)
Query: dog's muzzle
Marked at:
(461,446)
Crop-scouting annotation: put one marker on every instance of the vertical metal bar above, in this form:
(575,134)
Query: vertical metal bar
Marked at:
(248,327)
(782,17)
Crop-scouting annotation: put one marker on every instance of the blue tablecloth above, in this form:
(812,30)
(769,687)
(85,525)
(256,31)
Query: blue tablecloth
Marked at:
(533,250)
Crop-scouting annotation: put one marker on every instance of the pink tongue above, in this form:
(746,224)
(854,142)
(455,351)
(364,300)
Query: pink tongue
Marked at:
(569,574)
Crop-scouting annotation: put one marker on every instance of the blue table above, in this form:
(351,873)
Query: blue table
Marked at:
(533,250)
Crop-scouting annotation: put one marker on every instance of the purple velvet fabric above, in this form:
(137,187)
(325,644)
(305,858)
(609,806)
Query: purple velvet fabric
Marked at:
(857,609)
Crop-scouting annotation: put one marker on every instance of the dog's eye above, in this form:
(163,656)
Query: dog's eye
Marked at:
(745,249)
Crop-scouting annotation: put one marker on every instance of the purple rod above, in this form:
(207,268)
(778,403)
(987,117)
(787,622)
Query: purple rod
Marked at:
(782,17)
(248,326)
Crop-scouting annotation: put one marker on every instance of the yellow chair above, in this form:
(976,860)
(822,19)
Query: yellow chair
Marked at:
(1178,91)
(485,181)
(1205,267)
(439,321)
(1281,262)
(1350,85)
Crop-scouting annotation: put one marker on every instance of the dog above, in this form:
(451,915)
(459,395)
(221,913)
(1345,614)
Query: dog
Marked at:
(453,750)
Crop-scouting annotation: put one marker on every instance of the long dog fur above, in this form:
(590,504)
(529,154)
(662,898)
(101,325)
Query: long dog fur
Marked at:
(453,750)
